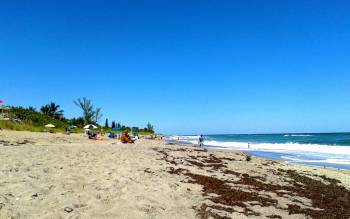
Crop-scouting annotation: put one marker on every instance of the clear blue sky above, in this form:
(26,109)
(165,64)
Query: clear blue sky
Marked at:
(186,66)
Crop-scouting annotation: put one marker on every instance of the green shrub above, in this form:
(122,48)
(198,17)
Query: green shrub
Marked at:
(37,119)
(30,120)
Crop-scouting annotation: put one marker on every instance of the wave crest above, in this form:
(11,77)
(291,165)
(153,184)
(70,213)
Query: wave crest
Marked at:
(298,135)
(277,147)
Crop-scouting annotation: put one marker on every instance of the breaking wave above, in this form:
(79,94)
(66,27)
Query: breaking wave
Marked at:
(293,152)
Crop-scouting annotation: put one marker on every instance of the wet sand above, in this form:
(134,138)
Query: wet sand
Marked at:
(45,175)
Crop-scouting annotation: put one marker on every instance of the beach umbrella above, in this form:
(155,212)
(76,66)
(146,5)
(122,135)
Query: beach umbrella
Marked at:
(72,127)
(90,126)
(49,126)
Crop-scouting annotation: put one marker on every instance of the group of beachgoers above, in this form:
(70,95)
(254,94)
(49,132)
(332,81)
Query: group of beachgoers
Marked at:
(124,137)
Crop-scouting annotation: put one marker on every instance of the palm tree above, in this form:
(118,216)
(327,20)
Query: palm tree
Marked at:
(97,115)
(88,109)
(52,110)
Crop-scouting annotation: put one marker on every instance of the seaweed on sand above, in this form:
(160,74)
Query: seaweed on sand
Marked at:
(328,198)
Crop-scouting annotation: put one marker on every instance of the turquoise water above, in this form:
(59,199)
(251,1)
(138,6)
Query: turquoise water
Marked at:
(318,149)
(341,139)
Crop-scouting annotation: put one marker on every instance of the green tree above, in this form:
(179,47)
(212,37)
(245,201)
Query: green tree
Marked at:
(127,128)
(31,109)
(106,124)
(35,119)
(150,127)
(135,129)
(79,122)
(52,110)
(97,115)
(88,109)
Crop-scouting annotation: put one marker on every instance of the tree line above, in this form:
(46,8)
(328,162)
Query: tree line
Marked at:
(52,113)
(114,125)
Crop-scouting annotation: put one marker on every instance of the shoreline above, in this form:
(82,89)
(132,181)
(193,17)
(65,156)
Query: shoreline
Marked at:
(251,153)
(42,175)
(298,166)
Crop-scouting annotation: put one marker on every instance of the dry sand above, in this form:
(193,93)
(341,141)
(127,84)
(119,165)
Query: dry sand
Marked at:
(45,175)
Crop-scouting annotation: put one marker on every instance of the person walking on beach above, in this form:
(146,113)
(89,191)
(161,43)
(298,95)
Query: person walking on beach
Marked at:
(201,141)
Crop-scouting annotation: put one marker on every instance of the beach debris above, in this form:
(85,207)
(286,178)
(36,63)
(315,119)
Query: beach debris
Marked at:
(274,216)
(80,205)
(17,143)
(22,142)
(10,194)
(4,143)
(248,158)
(68,209)
(148,170)
(35,195)
(328,198)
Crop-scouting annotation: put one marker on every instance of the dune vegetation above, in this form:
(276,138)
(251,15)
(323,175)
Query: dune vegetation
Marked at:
(31,119)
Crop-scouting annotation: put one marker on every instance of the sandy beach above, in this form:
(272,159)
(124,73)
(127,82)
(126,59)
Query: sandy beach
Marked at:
(45,175)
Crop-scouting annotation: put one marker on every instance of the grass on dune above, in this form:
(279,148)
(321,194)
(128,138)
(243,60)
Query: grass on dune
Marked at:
(9,125)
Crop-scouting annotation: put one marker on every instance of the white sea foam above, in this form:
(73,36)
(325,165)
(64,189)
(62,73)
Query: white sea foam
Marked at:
(327,160)
(277,147)
(297,135)
(184,137)
(303,153)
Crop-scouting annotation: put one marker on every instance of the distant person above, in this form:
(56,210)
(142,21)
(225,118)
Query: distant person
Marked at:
(111,135)
(201,141)
(126,138)
(92,135)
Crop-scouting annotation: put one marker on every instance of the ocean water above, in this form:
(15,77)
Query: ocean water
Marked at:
(315,149)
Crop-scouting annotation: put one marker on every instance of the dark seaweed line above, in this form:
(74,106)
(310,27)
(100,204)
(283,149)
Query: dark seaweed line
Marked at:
(332,198)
